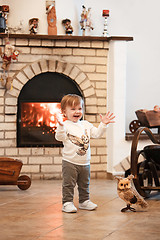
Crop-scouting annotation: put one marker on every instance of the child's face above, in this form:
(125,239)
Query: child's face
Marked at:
(74,113)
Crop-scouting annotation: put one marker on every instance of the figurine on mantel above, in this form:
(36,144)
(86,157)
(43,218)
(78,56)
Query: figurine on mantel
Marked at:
(67,25)
(33,25)
(10,53)
(2,23)
(51,17)
(4,11)
(86,21)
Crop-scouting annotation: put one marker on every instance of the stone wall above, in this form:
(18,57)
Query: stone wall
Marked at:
(83,61)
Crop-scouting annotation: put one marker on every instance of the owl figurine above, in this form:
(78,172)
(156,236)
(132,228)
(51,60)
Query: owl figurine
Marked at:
(127,193)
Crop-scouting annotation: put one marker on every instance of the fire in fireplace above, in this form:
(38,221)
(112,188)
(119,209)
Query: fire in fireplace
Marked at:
(38,108)
(39,122)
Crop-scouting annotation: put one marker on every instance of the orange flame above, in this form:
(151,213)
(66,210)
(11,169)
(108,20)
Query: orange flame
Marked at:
(41,115)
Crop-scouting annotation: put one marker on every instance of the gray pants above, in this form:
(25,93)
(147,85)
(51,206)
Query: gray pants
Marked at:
(73,174)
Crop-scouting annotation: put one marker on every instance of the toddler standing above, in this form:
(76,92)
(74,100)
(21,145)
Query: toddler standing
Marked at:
(75,135)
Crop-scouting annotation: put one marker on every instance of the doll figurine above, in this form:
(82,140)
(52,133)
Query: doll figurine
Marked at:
(67,25)
(2,23)
(33,25)
(4,11)
(9,54)
(86,21)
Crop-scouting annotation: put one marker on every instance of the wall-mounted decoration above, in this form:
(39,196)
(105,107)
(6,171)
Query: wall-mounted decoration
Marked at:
(33,25)
(67,26)
(51,17)
(9,54)
(86,21)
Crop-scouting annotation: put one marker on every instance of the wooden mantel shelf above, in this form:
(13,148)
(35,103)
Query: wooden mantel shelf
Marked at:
(67,37)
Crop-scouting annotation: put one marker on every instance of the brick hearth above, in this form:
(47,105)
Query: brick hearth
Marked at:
(83,60)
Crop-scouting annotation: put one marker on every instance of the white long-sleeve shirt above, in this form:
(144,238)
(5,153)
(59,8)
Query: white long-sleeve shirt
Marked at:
(76,140)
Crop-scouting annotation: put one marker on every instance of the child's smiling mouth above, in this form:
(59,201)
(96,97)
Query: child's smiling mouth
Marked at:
(76,117)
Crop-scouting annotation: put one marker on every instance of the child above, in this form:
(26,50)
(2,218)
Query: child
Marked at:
(75,135)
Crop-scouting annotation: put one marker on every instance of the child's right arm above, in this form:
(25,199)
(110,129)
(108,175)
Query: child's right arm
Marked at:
(60,134)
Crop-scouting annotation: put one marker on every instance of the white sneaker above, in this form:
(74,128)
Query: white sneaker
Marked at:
(87,205)
(69,207)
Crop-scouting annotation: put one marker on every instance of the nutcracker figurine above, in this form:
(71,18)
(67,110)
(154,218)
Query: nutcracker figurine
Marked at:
(4,11)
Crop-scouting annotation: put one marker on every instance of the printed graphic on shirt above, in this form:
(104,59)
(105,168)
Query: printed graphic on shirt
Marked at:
(82,142)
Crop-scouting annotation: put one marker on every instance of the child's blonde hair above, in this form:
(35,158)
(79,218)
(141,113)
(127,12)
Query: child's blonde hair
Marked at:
(71,100)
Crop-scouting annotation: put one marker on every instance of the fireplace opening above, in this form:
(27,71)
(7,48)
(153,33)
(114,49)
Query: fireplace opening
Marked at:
(39,106)
(39,122)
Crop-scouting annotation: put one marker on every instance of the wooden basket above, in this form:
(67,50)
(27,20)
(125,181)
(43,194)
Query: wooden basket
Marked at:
(148,118)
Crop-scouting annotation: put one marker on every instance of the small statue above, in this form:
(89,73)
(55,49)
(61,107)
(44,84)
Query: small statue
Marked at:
(129,194)
(33,25)
(4,11)
(2,23)
(51,17)
(86,22)
(67,25)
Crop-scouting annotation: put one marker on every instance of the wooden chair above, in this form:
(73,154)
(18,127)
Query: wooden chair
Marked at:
(146,177)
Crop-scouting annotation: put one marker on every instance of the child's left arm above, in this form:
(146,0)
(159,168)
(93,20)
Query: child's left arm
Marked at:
(108,118)
(105,120)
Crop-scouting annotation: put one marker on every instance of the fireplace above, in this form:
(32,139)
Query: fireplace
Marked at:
(88,66)
(38,107)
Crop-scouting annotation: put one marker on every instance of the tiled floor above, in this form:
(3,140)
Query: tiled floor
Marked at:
(35,214)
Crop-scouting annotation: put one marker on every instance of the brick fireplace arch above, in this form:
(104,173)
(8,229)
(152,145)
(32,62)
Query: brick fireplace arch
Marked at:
(44,65)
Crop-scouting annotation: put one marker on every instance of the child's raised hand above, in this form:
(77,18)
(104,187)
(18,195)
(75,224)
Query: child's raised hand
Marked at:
(59,119)
(108,118)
